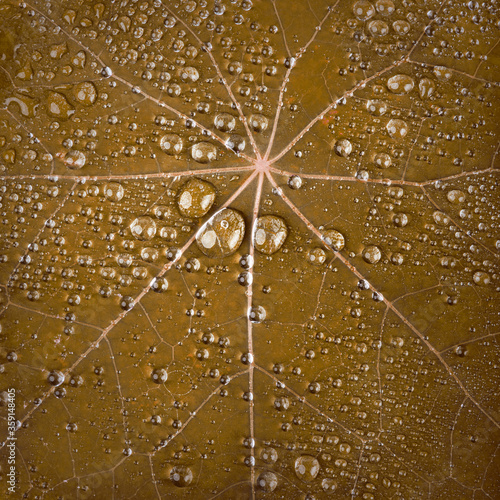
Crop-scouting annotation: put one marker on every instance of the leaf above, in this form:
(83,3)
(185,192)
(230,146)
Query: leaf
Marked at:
(249,249)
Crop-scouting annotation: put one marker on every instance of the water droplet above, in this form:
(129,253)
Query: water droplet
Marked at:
(400,220)
(159,285)
(171,144)
(85,93)
(225,122)
(236,143)
(455,196)
(55,378)
(114,191)
(195,198)
(267,481)
(383,160)
(181,476)
(190,74)
(58,106)
(270,233)
(363,10)
(401,27)
(295,182)
(269,455)
(376,107)
(343,147)
(316,256)
(400,84)
(385,7)
(426,87)
(245,278)
(204,152)
(307,468)
(159,375)
(372,254)
(222,234)
(74,159)
(334,239)
(257,314)
(397,128)
(328,484)
(442,73)
(481,278)
(259,123)
(143,228)
(378,28)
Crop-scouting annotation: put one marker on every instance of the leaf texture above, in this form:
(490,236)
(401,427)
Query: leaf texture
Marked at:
(249,248)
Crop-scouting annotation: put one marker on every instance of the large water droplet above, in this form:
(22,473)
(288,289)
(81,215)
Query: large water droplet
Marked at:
(363,10)
(114,191)
(334,239)
(195,198)
(400,84)
(270,233)
(58,106)
(372,254)
(343,147)
(259,123)
(267,481)
(85,93)
(225,122)
(397,128)
(204,152)
(307,468)
(222,234)
(171,144)
(143,228)
(74,159)
(181,476)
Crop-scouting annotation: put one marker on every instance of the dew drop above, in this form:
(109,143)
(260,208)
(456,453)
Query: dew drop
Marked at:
(159,285)
(159,375)
(363,10)
(181,476)
(267,481)
(397,128)
(426,88)
(236,143)
(270,232)
(376,107)
(481,278)
(378,28)
(343,147)
(74,159)
(382,160)
(295,182)
(55,378)
(225,122)
(455,196)
(195,198)
(400,84)
(372,254)
(316,256)
(143,228)
(401,27)
(58,106)
(333,239)
(257,314)
(222,234)
(85,93)
(258,123)
(204,152)
(114,191)
(307,468)
(171,144)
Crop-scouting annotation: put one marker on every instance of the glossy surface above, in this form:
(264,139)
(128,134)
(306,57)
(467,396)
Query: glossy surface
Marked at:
(156,352)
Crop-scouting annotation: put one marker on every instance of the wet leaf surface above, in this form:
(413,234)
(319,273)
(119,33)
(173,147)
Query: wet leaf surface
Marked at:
(250,248)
